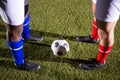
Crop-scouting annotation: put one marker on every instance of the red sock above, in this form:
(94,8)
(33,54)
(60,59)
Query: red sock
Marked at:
(103,53)
(94,31)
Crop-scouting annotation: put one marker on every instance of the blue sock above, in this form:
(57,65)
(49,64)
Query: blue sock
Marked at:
(17,51)
(26,28)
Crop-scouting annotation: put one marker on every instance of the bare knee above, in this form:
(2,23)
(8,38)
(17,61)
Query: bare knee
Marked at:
(106,32)
(13,33)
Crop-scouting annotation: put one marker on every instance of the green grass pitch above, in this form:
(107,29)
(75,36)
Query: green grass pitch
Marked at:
(60,19)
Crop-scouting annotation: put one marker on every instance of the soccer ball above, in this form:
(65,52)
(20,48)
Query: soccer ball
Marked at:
(60,47)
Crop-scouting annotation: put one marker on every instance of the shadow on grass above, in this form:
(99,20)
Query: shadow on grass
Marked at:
(59,36)
(40,51)
(73,62)
(46,53)
(2,28)
(7,64)
(4,52)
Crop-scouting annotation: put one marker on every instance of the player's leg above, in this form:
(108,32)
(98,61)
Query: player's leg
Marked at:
(106,27)
(94,34)
(13,15)
(15,44)
(93,38)
(106,35)
(26,30)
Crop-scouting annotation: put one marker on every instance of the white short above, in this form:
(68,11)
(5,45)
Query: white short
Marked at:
(94,1)
(108,10)
(26,2)
(12,11)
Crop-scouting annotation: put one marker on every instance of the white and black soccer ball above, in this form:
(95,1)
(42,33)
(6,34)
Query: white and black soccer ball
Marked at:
(60,47)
